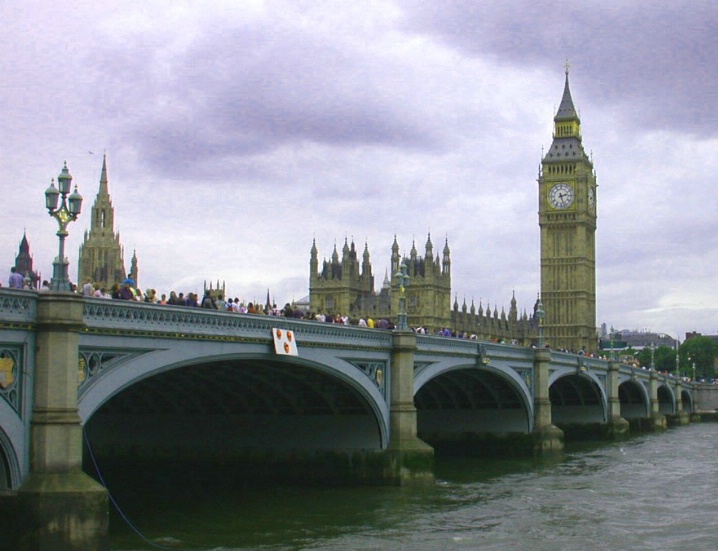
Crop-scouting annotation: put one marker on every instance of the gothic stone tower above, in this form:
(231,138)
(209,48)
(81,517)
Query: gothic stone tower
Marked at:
(342,286)
(23,262)
(428,294)
(567,218)
(101,255)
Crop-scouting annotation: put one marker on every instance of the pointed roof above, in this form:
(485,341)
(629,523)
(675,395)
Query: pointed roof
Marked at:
(566,110)
(24,244)
(103,177)
(567,144)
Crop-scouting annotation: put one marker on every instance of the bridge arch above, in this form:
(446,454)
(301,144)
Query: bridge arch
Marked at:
(634,398)
(470,399)
(237,400)
(577,397)
(687,401)
(9,464)
(666,400)
(120,362)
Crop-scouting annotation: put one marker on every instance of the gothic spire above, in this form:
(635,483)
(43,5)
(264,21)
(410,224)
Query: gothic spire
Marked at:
(566,146)
(103,177)
(366,261)
(566,110)
(24,245)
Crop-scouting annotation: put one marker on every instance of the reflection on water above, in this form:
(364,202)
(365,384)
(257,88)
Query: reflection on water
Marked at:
(652,492)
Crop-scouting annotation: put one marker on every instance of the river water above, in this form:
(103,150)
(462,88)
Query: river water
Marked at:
(653,492)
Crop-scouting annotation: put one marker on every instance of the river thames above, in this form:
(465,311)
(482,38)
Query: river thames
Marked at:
(652,492)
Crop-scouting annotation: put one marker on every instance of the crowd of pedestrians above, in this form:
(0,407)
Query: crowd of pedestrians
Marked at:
(127,290)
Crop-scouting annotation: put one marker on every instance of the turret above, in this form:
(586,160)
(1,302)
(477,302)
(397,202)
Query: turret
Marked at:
(313,261)
(366,263)
(134,270)
(513,311)
(446,264)
(395,260)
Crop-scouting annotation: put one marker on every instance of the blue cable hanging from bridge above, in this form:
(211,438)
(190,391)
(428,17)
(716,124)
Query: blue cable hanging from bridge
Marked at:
(112,498)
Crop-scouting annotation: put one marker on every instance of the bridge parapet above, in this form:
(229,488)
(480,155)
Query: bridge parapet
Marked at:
(481,350)
(122,317)
(18,307)
(446,345)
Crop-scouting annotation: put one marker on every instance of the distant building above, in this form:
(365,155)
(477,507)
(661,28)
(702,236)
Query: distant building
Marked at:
(491,326)
(692,334)
(638,340)
(101,258)
(343,286)
(23,263)
(216,291)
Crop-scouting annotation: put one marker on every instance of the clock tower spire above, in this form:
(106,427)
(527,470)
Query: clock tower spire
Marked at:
(567,218)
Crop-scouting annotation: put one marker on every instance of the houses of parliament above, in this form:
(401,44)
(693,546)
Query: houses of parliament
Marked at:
(565,314)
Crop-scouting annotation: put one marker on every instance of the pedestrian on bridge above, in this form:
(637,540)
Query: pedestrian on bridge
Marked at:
(16,279)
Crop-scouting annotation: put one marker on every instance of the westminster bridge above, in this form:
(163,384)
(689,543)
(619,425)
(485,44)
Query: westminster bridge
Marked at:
(131,381)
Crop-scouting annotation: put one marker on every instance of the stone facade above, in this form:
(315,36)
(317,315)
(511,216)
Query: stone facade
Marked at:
(345,286)
(492,326)
(567,218)
(101,258)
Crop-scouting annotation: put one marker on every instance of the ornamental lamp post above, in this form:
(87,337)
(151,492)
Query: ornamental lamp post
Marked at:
(403,280)
(652,347)
(613,333)
(540,315)
(67,212)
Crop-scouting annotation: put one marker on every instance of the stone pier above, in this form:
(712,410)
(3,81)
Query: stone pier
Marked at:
(59,507)
(547,438)
(410,460)
(617,428)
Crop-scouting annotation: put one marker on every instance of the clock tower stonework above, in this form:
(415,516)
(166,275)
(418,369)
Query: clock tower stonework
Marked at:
(567,218)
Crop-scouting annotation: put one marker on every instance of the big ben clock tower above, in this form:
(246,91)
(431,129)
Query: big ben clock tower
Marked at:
(567,218)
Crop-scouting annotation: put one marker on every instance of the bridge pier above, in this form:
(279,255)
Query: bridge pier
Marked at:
(60,508)
(680,418)
(657,421)
(409,460)
(547,438)
(617,428)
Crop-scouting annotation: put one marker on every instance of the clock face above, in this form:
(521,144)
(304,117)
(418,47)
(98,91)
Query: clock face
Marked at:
(591,198)
(561,196)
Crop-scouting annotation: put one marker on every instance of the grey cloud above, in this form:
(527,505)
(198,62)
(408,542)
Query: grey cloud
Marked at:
(248,91)
(651,57)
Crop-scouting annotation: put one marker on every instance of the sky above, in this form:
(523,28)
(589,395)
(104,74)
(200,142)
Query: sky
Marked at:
(237,133)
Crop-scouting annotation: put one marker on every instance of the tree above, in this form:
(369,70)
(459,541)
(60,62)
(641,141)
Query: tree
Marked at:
(664,358)
(702,352)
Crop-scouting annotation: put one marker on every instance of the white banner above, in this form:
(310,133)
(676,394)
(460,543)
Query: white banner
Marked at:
(284,342)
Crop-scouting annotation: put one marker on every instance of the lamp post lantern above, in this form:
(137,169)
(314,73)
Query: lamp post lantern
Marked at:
(540,315)
(403,280)
(67,212)
(613,334)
